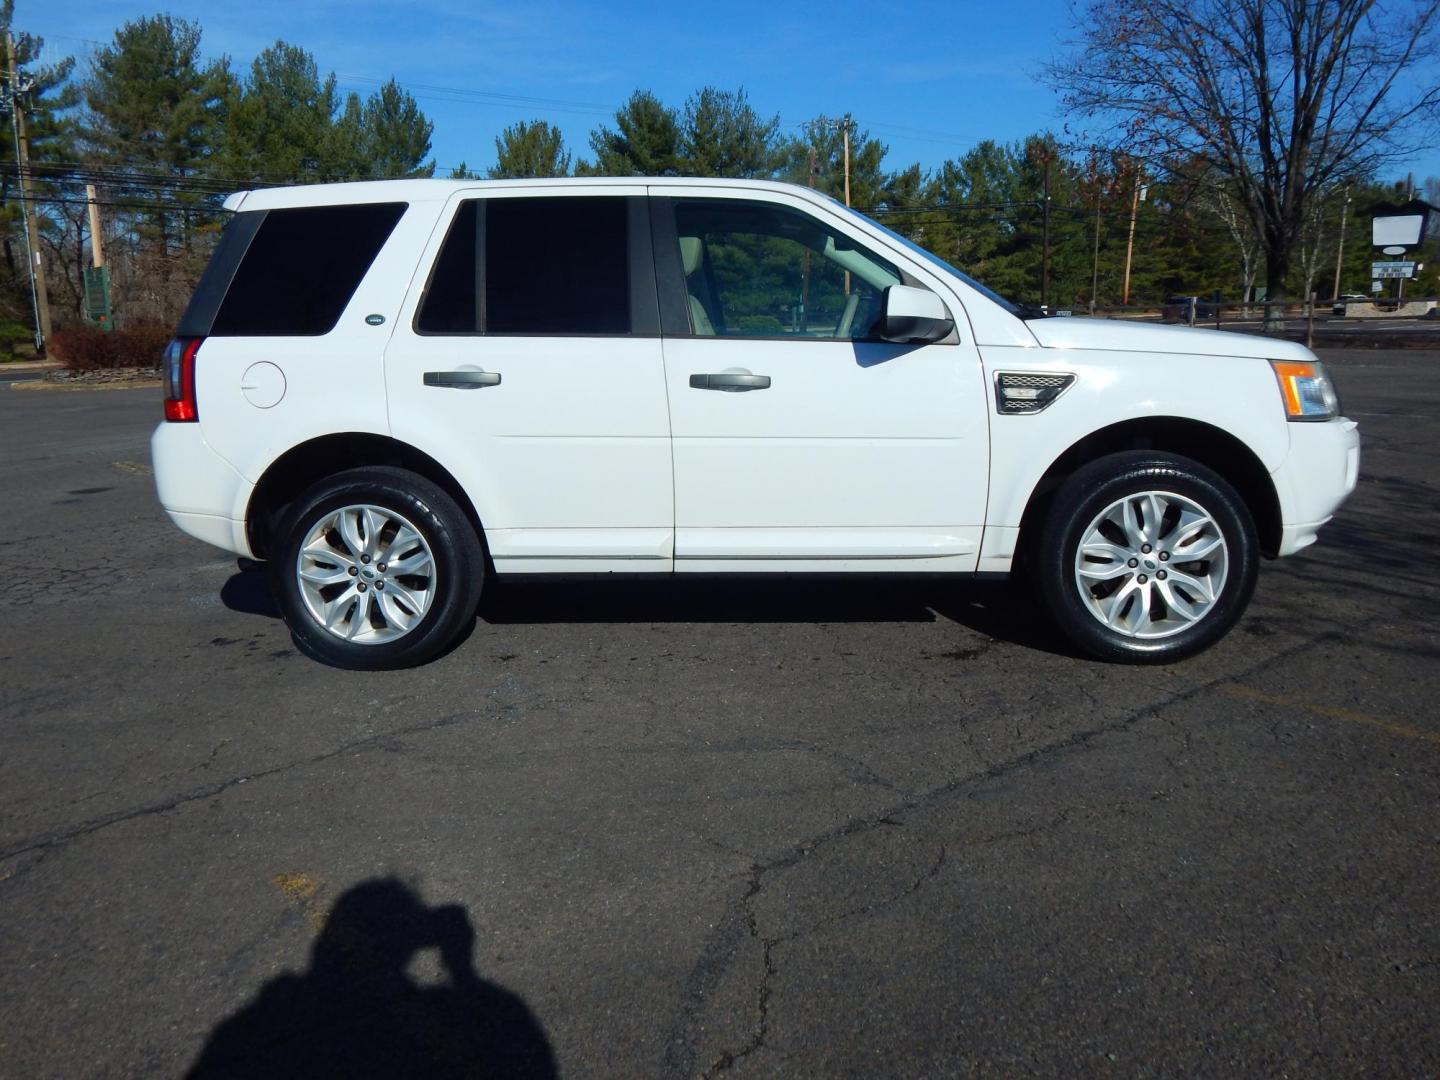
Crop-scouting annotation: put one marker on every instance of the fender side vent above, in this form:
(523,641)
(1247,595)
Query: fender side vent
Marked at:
(1020,393)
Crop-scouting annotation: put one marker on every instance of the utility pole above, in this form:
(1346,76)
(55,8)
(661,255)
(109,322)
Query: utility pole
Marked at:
(845,136)
(805,257)
(96,277)
(97,246)
(39,293)
(1045,243)
(1130,242)
(1095,260)
(1340,247)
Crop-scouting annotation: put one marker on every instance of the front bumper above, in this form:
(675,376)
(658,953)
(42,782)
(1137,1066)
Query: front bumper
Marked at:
(1317,476)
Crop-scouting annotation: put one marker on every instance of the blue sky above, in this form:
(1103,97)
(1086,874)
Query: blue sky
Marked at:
(928,79)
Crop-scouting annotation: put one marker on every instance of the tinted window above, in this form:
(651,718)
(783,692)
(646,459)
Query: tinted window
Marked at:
(761,270)
(449,304)
(302,267)
(556,266)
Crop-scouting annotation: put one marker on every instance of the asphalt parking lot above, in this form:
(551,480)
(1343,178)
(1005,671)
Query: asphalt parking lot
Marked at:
(718,829)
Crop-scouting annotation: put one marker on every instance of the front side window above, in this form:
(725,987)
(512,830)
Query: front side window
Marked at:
(552,265)
(755,269)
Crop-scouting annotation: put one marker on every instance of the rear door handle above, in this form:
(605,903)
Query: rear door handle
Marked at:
(462,380)
(726,381)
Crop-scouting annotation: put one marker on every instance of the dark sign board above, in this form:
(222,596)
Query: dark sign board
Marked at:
(1405,226)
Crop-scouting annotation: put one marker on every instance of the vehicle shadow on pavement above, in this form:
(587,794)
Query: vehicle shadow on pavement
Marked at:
(705,601)
(248,592)
(998,610)
(357,1012)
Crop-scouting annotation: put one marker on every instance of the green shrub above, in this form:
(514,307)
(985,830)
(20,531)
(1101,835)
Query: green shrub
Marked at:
(13,333)
(86,348)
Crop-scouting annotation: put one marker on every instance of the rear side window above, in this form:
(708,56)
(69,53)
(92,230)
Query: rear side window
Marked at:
(555,265)
(449,306)
(301,269)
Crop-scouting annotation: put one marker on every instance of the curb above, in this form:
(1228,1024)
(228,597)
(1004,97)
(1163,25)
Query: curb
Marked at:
(41,384)
(31,365)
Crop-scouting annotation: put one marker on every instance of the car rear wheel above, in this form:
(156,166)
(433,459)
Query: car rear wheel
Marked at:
(377,568)
(1146,557)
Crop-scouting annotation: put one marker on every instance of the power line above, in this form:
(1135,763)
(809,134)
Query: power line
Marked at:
(484,97)
(65,200)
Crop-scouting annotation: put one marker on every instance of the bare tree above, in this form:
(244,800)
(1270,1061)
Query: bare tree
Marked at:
(1317,237)
(1217,199)
(66,248)
(1281,99)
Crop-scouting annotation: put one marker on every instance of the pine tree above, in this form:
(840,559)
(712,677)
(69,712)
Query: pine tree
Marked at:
(396,135)
(529,149)
(281,126)
(722,135)
(868,181)
(645,142)
(156,112)
(46,96)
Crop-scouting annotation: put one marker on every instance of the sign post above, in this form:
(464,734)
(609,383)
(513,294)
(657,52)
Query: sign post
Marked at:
(1398,231)
(1399,269)
(97,296)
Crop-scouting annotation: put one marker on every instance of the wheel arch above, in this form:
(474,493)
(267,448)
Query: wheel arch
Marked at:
(1213,447)
(303,465)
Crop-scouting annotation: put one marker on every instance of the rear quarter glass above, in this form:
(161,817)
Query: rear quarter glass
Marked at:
(288,272)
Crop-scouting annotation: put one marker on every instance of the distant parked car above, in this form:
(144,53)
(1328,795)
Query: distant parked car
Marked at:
(1344,300)
(1177,308)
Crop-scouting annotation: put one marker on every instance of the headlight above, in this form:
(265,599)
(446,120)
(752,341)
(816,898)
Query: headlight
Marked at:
(1306,390)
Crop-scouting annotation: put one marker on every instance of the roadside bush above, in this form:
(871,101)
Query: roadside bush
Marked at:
(11,333)
(87,348)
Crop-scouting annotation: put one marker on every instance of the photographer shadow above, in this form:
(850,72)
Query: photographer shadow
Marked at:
(357,1012)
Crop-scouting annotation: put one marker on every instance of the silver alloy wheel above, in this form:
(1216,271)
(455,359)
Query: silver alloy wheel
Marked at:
(1151,564)
(366,574)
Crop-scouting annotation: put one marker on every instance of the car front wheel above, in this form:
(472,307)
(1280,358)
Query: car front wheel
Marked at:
(1147,557)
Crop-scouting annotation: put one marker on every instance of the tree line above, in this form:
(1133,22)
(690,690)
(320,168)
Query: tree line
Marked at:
(163,133)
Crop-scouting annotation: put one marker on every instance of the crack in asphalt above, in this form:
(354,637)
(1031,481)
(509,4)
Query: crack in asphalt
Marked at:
(768,946)
(57,837)
(743,922)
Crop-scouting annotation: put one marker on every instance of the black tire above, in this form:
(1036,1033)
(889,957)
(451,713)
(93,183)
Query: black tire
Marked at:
(1090,491)
(458,559)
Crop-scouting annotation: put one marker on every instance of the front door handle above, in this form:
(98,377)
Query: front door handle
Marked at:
(462,380)
(726,381)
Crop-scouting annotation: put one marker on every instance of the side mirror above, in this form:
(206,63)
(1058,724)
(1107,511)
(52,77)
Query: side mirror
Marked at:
(912,315)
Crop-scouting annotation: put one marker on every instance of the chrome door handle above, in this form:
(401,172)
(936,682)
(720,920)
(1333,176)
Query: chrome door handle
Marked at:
(462,380)
(732,383)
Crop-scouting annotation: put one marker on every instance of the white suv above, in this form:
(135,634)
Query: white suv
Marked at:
(391,391)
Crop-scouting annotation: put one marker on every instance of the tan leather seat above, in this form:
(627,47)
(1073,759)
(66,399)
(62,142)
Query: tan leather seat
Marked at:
(692,249)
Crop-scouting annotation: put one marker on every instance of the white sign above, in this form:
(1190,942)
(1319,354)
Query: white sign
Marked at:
(1397,229)
(1377,286)
(1392,270)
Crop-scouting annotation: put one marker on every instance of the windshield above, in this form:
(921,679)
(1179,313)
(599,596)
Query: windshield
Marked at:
(930,257)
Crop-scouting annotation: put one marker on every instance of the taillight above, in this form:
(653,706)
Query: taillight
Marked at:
(180,379)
